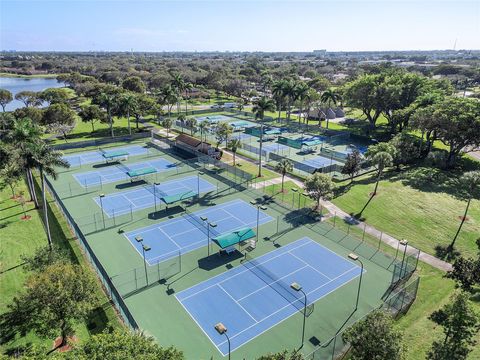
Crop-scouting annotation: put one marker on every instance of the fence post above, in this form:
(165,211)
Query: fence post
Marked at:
(348,229)
(364,228)
(380,240)
(278,222)
(334,219)
(131,213)
(70,188)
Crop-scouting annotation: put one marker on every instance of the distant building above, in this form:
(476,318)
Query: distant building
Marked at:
(322,52)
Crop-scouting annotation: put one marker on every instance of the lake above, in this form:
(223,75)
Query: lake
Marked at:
(15,85)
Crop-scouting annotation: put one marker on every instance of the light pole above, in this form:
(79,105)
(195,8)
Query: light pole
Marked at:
(198,185)
(260,151)
(155,184)
(209,224)
(222,330)
(293,196)
(297,287)
(145,248)
(259,206)
(101,206)
(355,257)
(403,242)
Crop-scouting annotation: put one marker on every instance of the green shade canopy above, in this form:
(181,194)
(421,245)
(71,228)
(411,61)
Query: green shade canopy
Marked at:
(114,154)
(312,142)
(170,199)
(140,172)
(226,240)
(273,132)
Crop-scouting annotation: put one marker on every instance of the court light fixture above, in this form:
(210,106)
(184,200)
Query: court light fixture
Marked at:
(222,330)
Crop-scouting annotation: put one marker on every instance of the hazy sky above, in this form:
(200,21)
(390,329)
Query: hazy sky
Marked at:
(239,25)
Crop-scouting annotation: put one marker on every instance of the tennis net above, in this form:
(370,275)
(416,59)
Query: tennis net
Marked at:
(152,188)
(199,223)
(276,283)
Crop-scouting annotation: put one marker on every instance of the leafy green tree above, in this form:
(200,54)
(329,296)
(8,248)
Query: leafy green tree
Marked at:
(29,98)
(59,114)
(135,84)
(259,108)
(43,257)
(283,355)
(460,323)
(60,129)
(407,149)
(289,94)
(381,156)
(144,105)
(471,185)
(5,98)
(178,83)
(167,124)
(375,337)
(352,164)
(54,95)
(319,186)
(121,344)
(223,131)
(330,97)
(33,113)
(6,120)
(284,166)
(92,114)
(234,145)
(187,88)
(56,299)
(457,125)
(108,101)
(182,118)
(466,271)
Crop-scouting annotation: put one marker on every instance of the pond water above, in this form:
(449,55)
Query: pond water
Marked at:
(15,85)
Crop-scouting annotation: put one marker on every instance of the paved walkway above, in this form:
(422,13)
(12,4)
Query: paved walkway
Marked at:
(333,209)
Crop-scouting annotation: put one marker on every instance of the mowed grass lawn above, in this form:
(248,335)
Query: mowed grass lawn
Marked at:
(421,205)
(21,238)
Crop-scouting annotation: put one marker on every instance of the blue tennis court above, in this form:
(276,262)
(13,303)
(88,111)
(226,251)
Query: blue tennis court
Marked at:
(214,118)
(242,124)
(189,232)
(319,162)
(140,198)
(119,172)
(275,147)
(253,297)
(92,157)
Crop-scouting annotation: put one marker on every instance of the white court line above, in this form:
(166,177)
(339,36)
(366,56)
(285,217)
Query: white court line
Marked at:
(170,238)
(283,319)
(236,302)
(231,277)
(309,265)
(273,282)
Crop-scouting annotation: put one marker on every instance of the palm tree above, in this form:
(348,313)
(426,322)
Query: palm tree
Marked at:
(169,97)
(188,86)
(182,118)
(192,124)
(471,182)
(223,132)
(234,145)
(301,94)
(259,108)
(108,102)
(47,159)
(127,103)
(203,126)
(381,160)
(279,95)
(284,166)
(178,83)
(167,124)
(23,136)
(330,97)
(289,94)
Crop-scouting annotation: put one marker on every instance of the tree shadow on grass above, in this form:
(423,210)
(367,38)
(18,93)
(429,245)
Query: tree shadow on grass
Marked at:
(446,253)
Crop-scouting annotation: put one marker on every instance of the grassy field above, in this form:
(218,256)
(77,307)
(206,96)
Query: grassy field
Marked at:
(83,131)
(420,205)
(21,238)
(42,76)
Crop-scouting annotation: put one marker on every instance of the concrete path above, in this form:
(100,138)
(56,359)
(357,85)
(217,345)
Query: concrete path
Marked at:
(333,209)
